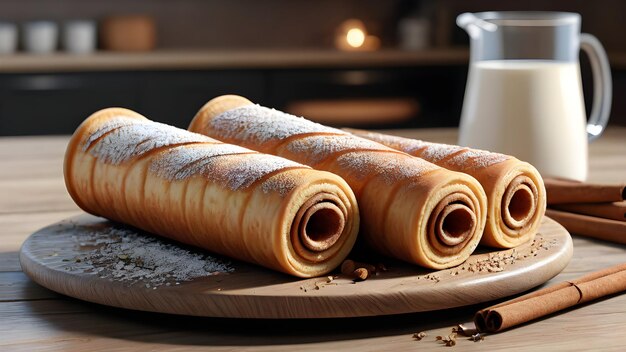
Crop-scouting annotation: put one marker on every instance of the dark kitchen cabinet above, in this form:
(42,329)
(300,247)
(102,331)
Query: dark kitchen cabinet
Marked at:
(175,97)
(438,90)
(56,103)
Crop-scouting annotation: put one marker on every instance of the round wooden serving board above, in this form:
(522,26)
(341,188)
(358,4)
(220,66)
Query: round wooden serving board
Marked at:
(51,257)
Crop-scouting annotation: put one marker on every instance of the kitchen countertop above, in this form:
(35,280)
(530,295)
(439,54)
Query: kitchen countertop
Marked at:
(33,318)
(220,59)
(227,59)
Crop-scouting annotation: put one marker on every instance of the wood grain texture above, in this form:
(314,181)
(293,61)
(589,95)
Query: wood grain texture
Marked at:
(49,258)
(16,230)
(64,324)
(9,261)
(17,226)
(15,286)
(31,195)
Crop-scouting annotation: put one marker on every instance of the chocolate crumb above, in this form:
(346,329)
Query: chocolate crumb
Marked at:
(419,335)
(360,274)
(477,337)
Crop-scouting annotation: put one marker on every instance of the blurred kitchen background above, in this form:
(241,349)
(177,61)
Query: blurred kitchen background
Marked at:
(394,63)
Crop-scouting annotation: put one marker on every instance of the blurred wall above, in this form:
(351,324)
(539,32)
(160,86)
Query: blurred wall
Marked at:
(306,23)
(221,23)
(268,24)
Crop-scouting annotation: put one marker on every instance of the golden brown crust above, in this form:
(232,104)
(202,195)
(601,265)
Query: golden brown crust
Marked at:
(200,191)
(515,190)
(405,202)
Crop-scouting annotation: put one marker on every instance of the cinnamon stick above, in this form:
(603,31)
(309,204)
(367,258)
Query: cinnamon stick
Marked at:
(615,210)
(604,229)
(552,299)
(563,191)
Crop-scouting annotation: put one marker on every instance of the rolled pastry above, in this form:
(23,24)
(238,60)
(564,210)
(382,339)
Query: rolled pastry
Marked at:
(516,195)
(230,200)
(410,209)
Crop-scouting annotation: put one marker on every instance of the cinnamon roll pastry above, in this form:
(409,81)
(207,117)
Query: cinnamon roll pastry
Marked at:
(516,195)
(230,200)
(410,209)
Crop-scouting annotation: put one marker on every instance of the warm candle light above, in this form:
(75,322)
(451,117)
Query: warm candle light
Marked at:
(352,35)
(355,37)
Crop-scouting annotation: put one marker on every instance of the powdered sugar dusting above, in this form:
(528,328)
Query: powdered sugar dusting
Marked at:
(132,140)
(182,162)
(281,184)
(257,124)
(318,148)
(110,125)
(392,168)
(245,170)
(475,159)
(462,157)
(122,254)
(128,138)
(437,152)
(433,152)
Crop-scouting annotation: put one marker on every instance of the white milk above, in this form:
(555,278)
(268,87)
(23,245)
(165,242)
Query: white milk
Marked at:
(531,109)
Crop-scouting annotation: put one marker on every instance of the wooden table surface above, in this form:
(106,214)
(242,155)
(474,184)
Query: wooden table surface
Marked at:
(33,195)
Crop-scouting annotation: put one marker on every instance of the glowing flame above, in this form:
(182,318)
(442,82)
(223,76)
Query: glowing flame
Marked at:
(355,37)
(352,36)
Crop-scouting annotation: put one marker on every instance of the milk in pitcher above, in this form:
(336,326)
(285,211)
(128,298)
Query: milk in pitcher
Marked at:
(531,109)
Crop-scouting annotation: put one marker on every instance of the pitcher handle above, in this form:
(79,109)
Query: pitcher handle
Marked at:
(602,85)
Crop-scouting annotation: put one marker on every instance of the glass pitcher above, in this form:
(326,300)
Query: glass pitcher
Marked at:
(524,94)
